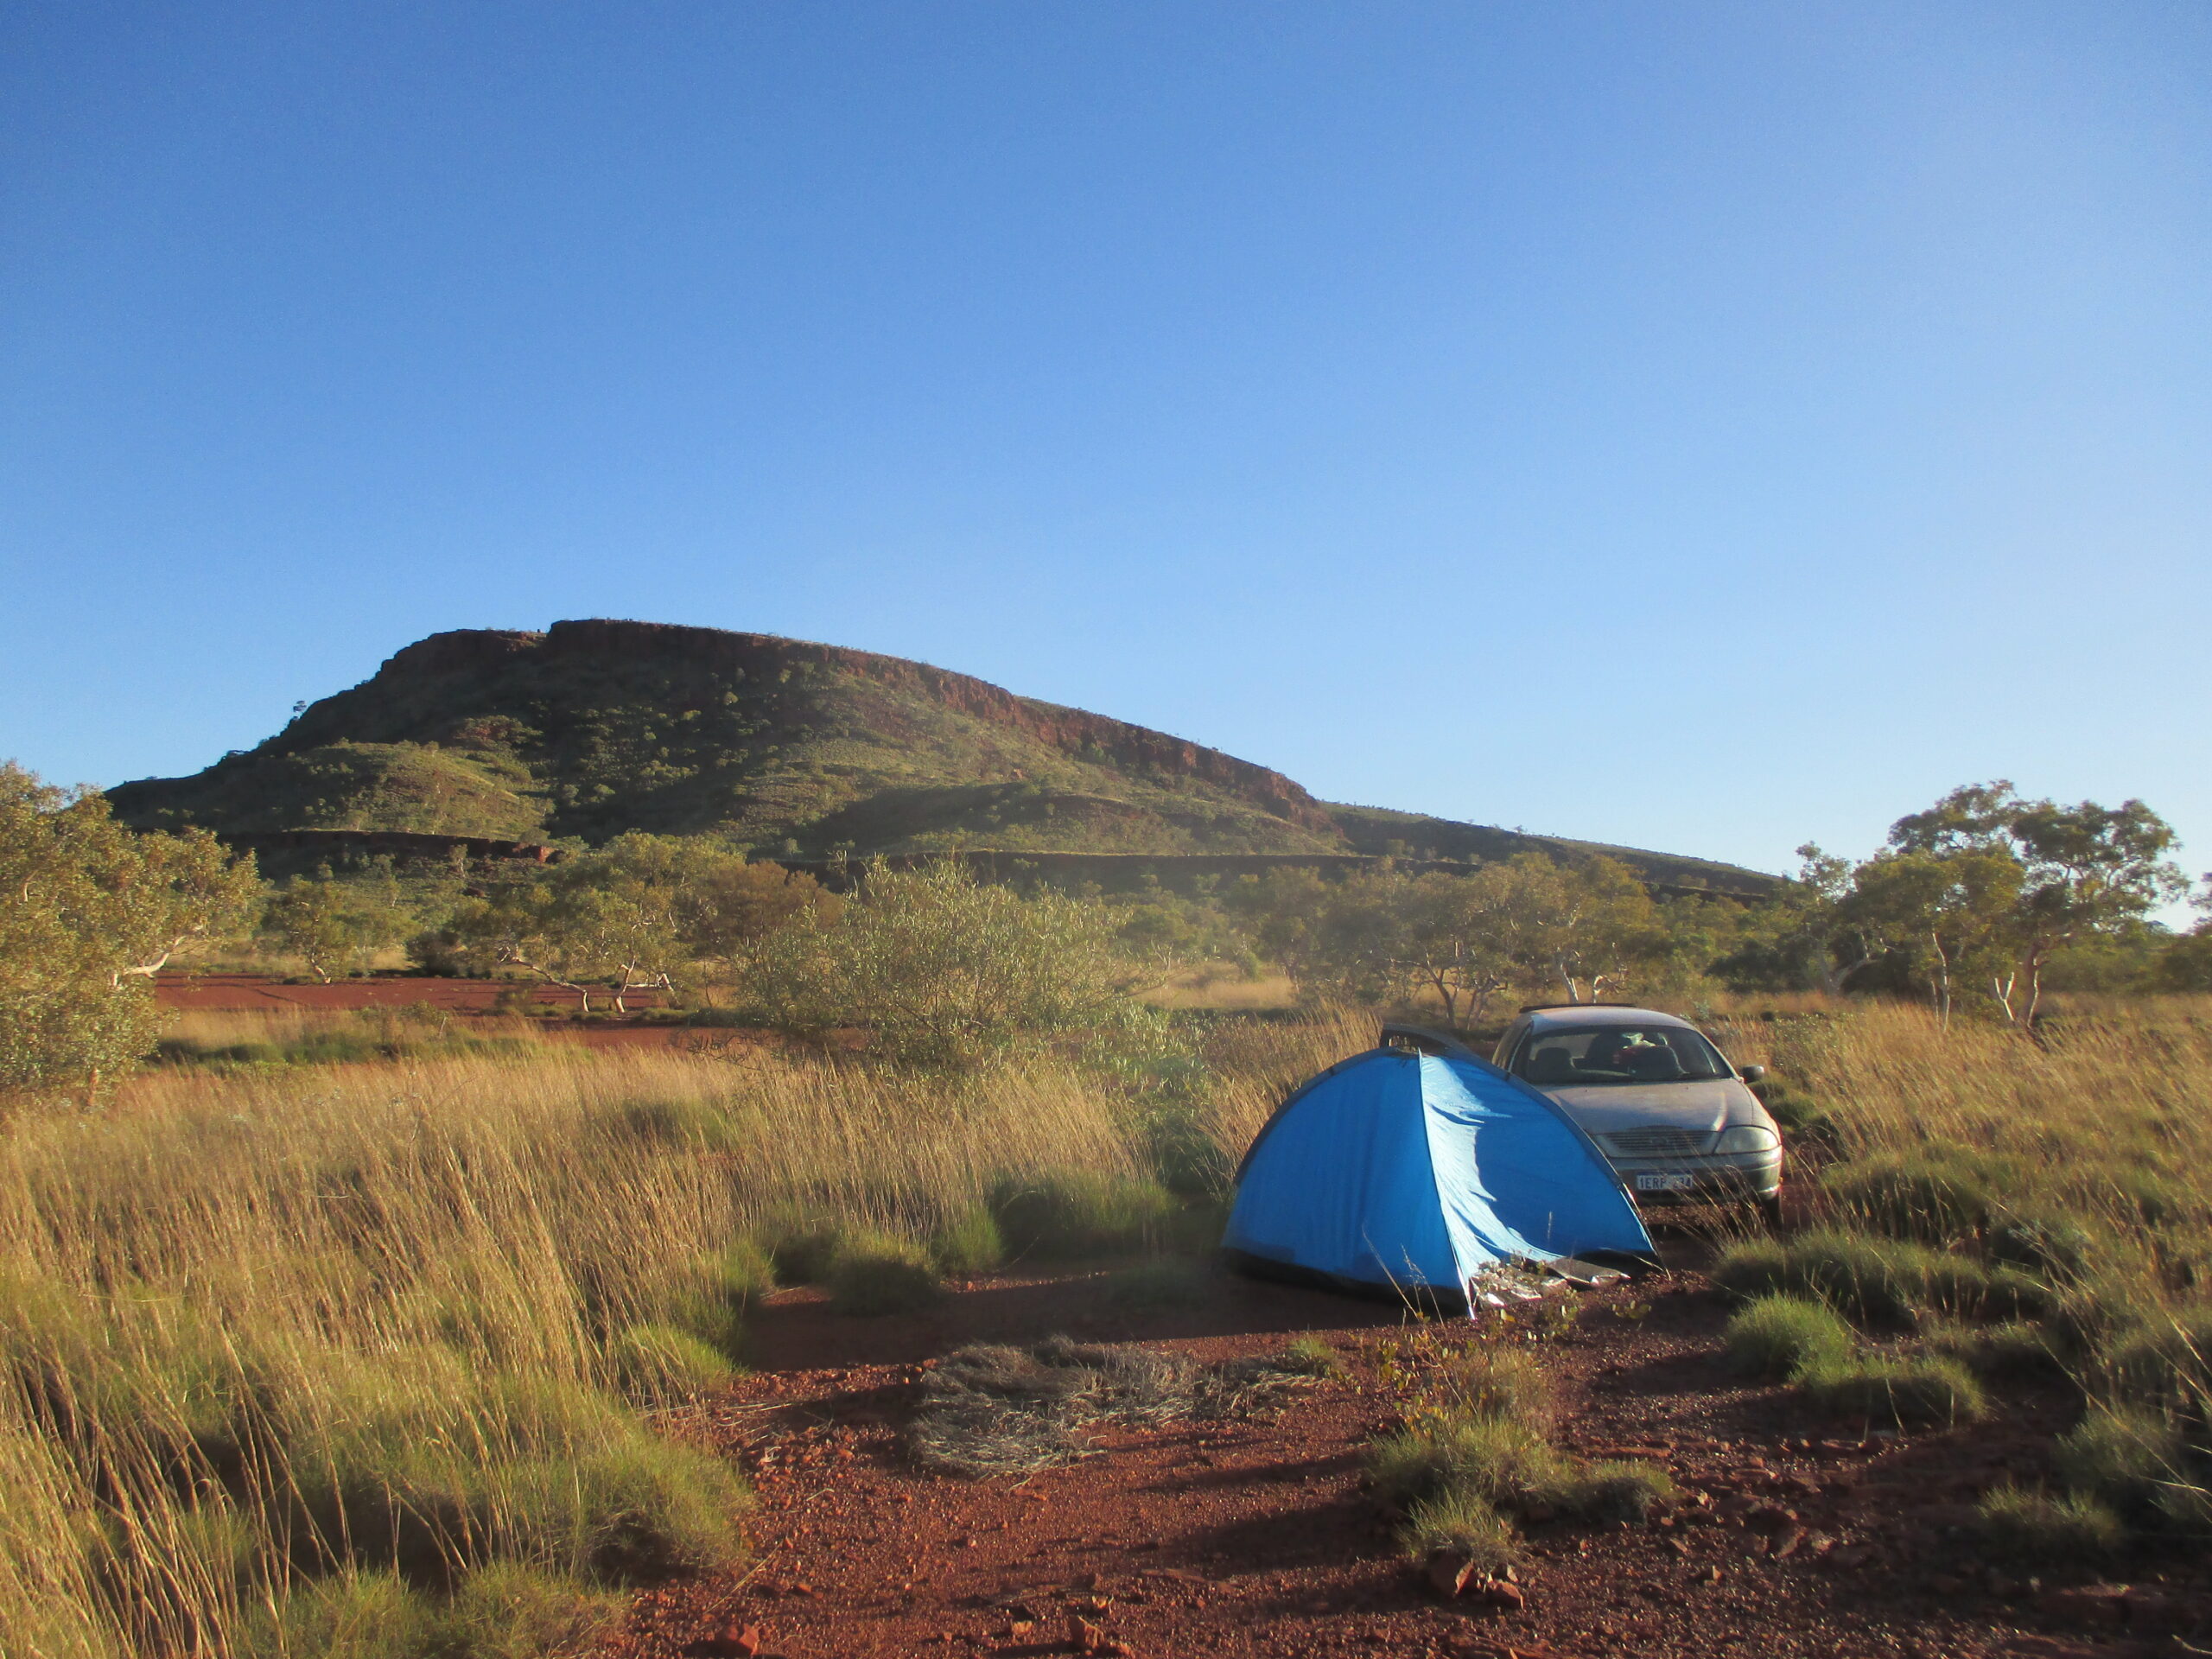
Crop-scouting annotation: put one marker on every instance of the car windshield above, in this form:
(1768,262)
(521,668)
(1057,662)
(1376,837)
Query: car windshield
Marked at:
(1597,1054)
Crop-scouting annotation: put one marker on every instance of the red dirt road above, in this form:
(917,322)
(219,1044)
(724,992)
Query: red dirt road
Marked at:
(1800,1537)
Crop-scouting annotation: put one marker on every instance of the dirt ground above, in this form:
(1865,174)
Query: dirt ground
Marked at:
(259,993)
(1799,1535)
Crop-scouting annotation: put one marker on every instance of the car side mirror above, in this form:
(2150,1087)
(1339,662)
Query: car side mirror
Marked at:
(1751,1073)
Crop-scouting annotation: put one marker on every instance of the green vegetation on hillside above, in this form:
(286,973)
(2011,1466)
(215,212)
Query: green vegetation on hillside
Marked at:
(779,748)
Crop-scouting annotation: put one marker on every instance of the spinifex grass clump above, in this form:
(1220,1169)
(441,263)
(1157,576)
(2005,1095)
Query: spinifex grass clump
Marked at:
(1459,1523)
(1916,1392)
(883,1273)
(1495,1381)
(1505,1463)
(1474,1455)
(1875,1281)
(1935,1196)
(1071,1213)
(967,1242)
(2013,1350)
(2041,1528)
(1778,1337)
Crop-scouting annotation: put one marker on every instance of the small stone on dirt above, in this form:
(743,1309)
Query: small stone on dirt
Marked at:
(1448,1572)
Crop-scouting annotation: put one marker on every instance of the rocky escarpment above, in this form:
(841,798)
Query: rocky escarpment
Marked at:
(793,749)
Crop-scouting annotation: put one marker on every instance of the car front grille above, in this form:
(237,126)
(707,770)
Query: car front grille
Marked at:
(1659,1142)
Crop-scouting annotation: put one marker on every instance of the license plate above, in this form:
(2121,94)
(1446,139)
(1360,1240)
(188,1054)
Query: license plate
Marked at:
(1664,1183)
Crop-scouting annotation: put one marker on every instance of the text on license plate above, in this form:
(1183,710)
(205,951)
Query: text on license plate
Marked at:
(1664,1183)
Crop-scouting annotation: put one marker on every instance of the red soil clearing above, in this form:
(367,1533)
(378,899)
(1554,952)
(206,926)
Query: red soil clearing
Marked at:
(1799,1535)
(257,993)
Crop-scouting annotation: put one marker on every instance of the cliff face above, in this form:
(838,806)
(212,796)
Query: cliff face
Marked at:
(793,748)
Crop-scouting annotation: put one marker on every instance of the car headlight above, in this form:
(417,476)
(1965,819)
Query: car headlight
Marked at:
(1748,1137)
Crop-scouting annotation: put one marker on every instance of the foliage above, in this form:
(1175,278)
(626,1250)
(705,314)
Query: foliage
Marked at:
(2065,1530)
(332,926)
(1461,1523)
(1913,1392)
(882,1274)
(1392,938)
(1067,1212)
(1777,1335)
(89,912)
(943,970)
(643,913)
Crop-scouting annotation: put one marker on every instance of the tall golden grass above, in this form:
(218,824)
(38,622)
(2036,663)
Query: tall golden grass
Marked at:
(234,1292)
(307,1243)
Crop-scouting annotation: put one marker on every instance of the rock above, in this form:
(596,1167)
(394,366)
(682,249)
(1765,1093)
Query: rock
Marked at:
(2087,1604)
(1787,1541)
(1510,1596)
(1448,1572)
(1083,1636)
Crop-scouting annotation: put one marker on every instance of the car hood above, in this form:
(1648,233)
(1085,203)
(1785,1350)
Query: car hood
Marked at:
(1708,1103)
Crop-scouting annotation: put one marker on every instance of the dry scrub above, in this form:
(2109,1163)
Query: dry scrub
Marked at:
(288,1348)
(2002,1203)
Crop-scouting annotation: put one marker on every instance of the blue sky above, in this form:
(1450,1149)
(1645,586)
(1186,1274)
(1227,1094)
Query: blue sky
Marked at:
(1705,426)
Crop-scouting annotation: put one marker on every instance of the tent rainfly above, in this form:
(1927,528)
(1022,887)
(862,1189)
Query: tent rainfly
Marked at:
(1401,1172)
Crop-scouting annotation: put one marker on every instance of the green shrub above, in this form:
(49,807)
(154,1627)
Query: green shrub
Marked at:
(1463,1524)
(2035,1527)
(1497,1382)
(637,1511)
(1780,1336)
(1757,1267)
(1505,1463)
(803,1252)
(1308,1356)
(422,1462)
(1073,1213)
(2017,1348)
(688,1122)
(659,1363)
(711,1302)
(2164,1362)
(967,1243)
(1616,1491)
(1874,1280)
(508,1610)
(349,1614)
(1795,1114)
(2121,1457)
(872,1277)
(1912,1393)
(2054,1246)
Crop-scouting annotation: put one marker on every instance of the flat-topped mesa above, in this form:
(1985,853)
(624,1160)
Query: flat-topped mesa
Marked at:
(792,749)
(755,658)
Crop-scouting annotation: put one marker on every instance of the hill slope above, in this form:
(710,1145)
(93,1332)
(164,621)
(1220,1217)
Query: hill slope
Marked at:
(593,728)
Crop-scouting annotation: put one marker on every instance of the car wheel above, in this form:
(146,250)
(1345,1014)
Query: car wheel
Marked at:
(1770,1212)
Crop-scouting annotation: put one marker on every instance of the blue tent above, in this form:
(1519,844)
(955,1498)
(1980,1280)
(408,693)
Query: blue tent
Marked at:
(1416,1172)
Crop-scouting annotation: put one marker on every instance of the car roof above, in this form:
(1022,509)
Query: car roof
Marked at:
(1592,1015)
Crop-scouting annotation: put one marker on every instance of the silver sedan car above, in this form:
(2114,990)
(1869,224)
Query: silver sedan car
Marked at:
(1668,1111)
